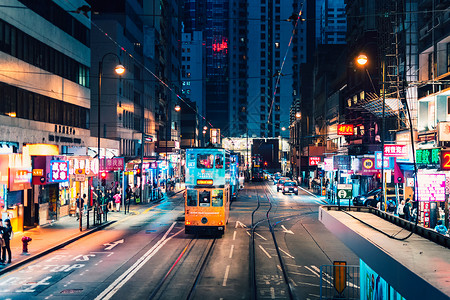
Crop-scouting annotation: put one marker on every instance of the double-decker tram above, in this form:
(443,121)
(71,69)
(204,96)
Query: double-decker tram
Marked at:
(207,196)
(234,175)
(257,173)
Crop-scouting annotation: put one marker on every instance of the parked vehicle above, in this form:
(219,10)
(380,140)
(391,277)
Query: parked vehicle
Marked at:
(290,186)
(372,197)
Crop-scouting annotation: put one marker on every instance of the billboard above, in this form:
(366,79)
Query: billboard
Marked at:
(373,286)
(430,187)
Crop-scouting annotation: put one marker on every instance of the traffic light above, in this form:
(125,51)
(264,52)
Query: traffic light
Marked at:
(103,177)
(138,172)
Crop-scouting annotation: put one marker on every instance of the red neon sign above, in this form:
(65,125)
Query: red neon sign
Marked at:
(395,150)
(345,129)
(314,160)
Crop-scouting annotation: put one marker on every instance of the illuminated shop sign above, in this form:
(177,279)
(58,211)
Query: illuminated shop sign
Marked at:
(388,161)
(445,160)
(395,150)
(430,187)
(314,160)
(345,129)
(428,156)
(19,179)
(59,170)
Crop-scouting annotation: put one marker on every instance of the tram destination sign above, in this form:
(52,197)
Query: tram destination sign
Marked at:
(205,182)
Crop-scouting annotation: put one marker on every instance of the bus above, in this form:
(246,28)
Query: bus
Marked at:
(257,173)
(207,195)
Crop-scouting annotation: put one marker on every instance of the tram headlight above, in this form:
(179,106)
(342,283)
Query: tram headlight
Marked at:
(286,189)
(295,189)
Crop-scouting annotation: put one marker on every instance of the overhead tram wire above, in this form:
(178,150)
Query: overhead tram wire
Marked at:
(284,60)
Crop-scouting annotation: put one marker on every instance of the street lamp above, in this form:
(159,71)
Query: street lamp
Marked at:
(362,60)
(119,69)
(298,116)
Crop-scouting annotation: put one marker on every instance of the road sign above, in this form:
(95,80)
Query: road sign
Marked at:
(344,191)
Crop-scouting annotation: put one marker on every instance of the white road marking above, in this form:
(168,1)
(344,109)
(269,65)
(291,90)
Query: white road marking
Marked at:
(301,274)
(248,233)
(240,224)
(285,252)
(260,236)
(234,235)
(225,277)
(231,251)
(111,245)
(312,271)
(293,282)
(293,265)
(311,284)
(285,230)
(264,250)
(272,292)
(109,292)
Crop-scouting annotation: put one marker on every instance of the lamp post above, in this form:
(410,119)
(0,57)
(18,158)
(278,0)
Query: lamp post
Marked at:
(119,69)
(298,117)
(362,60)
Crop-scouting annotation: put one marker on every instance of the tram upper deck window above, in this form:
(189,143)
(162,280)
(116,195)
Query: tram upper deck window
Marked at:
(192,198)
(205,199)
(217,198)
(219,161)
(205,161)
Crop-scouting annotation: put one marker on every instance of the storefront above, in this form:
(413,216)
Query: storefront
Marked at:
(18,185)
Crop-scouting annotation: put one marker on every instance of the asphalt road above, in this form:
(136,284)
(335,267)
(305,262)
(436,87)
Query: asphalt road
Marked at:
(148,256)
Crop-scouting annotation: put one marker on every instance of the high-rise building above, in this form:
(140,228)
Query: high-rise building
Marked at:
(45,78)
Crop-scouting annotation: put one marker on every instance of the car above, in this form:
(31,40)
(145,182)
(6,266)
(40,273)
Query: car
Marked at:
(290,186)
(280,183)
(276,177)
(372,197)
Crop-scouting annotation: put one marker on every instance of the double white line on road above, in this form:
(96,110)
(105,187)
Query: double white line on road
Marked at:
(109,292)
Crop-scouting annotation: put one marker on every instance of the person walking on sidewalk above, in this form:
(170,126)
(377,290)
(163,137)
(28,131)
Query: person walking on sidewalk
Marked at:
(80,204)
(7,235)
(2,242)
(137,194)
(117,199)
(400,210)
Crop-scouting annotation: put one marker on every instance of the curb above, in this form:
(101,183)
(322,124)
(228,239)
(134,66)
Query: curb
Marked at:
(56,247)
(318,197)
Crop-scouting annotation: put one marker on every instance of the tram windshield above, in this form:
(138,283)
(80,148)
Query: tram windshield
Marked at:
(217,198)
(219,161)
(191,198)
(204,199)
(205,161)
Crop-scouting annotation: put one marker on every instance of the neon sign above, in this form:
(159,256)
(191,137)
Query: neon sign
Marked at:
(345,129)
(59,170)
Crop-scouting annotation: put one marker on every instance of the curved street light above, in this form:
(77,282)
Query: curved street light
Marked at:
(119,69)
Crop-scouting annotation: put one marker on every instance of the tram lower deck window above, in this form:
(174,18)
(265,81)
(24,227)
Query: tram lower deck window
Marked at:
(205,161)
(217,198)
(205,199)
(192,198)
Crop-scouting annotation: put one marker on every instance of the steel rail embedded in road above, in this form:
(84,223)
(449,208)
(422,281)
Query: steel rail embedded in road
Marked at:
(189,246)
(254,294)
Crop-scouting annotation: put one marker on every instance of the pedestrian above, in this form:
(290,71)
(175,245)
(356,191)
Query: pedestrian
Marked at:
(117,198)
(407,209)
(400,209)
(137,194)
(85,204)
(2,242)
(440,228)
(7,236)
(79,204)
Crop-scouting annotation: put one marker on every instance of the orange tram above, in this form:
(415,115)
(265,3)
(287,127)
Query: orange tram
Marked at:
(207,195)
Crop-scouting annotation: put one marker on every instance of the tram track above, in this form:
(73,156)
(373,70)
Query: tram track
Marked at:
(282,267)
(199,253)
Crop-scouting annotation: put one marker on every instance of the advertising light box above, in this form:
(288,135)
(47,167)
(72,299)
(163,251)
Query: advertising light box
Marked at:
(430,187)
(59,170)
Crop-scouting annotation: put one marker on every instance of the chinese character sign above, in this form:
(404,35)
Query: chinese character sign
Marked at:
(430,187)
(388,161)
(328,164)
(395,150)
(314,160)
(428,156)
(59,170)
(345,129)
(112,164)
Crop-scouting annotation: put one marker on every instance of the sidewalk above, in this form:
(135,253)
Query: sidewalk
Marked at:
(56,235)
